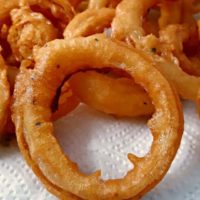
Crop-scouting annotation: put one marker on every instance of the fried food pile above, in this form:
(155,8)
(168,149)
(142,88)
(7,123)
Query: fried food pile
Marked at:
(125,58)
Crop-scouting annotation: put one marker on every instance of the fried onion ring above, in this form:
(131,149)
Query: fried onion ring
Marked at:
(61,10)
(32,114)
(175,35)
(156,50)
(29,29)
(128,23)
(160,54)
(89,22)
(96,90)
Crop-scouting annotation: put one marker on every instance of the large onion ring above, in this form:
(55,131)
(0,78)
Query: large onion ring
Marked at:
(32,115)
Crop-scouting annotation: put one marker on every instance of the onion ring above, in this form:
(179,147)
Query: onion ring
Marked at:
(35,131)
(29,29)
(175,35)
(89,22)
(96,90)
(62,10)
(158,53)
(127,25)
(186,85)
(180,33)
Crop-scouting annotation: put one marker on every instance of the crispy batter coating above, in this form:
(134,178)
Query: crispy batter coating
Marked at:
(128,23)
(96,90)
(89,22)
(62,10)
(29,29)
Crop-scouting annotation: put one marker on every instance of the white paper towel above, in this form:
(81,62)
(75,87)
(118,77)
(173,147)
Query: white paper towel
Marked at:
(98,141)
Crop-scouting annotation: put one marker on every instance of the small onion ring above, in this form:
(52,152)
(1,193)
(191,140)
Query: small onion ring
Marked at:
(35,136)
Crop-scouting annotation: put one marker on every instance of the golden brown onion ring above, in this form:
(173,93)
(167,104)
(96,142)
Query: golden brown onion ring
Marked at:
(29,29)
(186,85)
(35,136)
(97,91)
(128,22)
(60,9)
(152,47)
(175,36)
(89,22)
(161,56)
